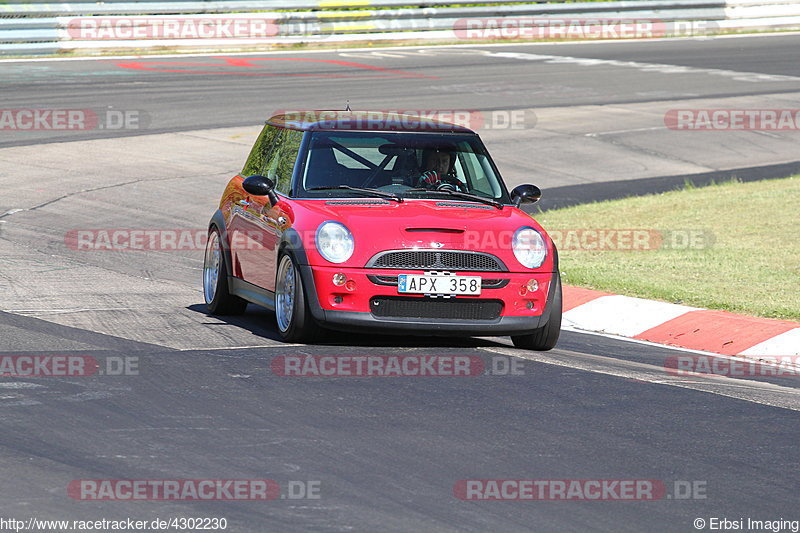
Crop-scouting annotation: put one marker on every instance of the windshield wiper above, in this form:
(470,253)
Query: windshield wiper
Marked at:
(374,192)
(465,195)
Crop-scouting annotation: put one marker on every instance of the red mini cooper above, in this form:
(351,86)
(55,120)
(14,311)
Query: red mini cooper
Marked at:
(381,222)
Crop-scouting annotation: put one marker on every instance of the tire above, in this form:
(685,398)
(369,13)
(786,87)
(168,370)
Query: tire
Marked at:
(218,298)
(545,337)
(292,316)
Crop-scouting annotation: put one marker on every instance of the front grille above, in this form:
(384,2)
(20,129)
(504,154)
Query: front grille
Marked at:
(493,283)
(437,260)
(392,281)
(446,308)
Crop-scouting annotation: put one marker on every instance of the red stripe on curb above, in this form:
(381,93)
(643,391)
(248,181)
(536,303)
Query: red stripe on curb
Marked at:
(715,331)
(576,296)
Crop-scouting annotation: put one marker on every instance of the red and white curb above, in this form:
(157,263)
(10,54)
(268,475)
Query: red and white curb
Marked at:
(680,326)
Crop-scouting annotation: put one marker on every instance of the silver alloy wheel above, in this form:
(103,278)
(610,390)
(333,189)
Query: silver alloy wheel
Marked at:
(284,293)
(211,267)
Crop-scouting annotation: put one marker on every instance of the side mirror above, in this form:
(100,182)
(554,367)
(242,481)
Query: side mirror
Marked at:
(525,194)
(261,186)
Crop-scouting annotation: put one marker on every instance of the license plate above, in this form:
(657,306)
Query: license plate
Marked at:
(426,284)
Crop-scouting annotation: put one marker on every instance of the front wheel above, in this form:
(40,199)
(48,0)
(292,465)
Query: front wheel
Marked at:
(545,337)
(294,320)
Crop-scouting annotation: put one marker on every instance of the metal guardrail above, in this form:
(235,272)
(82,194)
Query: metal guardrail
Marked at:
(89,26)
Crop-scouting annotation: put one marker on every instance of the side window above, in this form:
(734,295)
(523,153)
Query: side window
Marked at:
(280,163)
(458,169)
(261,151)
(479,169)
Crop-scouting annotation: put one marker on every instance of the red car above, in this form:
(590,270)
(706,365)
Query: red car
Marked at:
(381,222)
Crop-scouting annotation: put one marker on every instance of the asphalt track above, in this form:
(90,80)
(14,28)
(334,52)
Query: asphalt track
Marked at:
(204,403)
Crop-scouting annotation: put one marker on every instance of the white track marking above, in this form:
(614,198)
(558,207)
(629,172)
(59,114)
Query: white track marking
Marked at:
(51,311)
(661,68)
(431,48)
(784,344)
(615,132)
(624,315)
(19,385)
(225,348)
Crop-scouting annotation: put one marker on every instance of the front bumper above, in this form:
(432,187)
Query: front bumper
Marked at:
(521,311)
(505,325)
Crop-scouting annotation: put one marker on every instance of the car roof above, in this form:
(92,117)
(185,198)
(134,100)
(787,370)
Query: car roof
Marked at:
(330,120)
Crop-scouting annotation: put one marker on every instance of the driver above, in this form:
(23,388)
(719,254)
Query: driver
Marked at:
(437,164)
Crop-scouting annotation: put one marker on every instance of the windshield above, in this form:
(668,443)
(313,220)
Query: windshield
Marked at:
(414,165)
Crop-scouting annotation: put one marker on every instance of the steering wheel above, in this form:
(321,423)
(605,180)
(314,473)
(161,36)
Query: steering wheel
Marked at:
(452,183)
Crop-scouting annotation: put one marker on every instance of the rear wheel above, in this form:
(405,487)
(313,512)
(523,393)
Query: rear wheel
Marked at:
(293,317)
(218,298)
(545,337)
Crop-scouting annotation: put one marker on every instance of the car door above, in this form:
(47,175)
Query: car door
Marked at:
(244,221)
(261,223)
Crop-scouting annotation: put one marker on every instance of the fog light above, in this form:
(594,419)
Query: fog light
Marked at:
(533,285)
(339,279)
(529,305)
(337,299)
(350,285)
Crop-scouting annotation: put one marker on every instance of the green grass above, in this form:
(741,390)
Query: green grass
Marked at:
(748,261)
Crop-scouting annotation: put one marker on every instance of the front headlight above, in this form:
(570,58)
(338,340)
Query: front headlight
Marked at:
(529,247)
(334,242)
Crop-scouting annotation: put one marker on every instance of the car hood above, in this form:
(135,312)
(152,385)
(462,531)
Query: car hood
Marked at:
(425,224)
